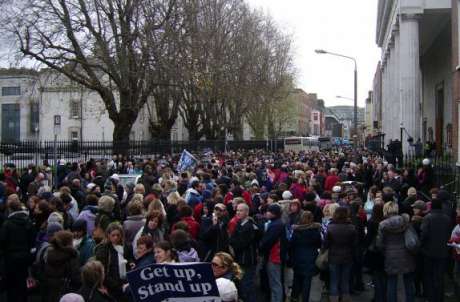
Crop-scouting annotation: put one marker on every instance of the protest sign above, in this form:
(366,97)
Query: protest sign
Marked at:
(174,282)
(186,161)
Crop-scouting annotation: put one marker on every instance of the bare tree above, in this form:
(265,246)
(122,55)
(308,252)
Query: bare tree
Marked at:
(100,44)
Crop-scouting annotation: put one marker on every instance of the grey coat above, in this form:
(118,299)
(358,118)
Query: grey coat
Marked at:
(390,239)
(131,226)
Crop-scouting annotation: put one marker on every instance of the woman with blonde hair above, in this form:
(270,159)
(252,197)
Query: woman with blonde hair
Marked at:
(156,205)
(93,288)
(113,254)
(228,274)
(139,189)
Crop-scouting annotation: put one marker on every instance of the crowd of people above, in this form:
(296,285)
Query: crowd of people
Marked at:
(266,221)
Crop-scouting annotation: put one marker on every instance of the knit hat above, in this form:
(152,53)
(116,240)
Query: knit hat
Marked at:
(287,195)
(71,298)
(411,191)
(420,205)
(336,189)
(53,228)
(55,217)
(275,209)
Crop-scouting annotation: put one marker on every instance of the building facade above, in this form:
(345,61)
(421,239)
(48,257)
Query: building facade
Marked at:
(368,127)
(413,79)
(30,101)
(345,115)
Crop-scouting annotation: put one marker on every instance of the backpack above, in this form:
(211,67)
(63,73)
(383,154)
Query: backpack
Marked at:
(38,267)
(411,240)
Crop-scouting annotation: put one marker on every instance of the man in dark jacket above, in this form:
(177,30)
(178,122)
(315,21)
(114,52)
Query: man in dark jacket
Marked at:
(213,232)
(436,228)
(17,238)
(272,247)
(244,245)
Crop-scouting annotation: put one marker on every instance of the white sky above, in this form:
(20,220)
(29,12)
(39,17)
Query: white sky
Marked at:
(345,27)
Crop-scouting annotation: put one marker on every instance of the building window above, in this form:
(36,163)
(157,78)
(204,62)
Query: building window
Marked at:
(75,111)
(34,117)
(13,90)
(74,133)
(315,116)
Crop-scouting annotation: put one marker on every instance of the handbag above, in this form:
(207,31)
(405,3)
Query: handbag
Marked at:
(322,259)
(411,240)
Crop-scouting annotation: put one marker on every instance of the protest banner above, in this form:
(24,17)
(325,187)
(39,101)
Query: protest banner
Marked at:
(186,161)
(193,282)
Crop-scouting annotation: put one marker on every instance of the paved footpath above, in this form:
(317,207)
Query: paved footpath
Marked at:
(367,295)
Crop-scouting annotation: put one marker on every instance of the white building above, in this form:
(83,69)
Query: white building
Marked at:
(30,101)
(416,79)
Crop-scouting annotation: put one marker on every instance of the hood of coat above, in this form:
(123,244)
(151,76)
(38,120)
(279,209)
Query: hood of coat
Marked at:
(19,217)
(395,224)
(188,256)
(311,226)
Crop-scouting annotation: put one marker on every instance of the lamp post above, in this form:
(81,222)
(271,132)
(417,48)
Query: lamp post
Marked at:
(345,98)
(355,108)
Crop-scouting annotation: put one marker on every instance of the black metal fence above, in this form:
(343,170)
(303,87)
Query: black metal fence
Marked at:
(22,154)
(446,173)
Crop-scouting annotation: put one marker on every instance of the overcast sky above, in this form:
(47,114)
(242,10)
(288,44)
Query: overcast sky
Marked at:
(346,27)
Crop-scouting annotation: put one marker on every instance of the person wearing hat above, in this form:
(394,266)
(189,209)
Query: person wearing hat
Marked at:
(272,248)
(82,242)
(425,176)
(407,204)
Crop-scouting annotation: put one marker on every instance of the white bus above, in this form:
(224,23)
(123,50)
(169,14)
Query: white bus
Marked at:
(297,144)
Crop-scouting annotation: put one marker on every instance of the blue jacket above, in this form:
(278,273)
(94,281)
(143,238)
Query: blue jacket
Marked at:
(86,249)
(193,197)
(145,260)
(275,232)
(303,248)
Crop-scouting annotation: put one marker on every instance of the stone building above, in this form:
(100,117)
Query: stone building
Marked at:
(415,71)
(30,100)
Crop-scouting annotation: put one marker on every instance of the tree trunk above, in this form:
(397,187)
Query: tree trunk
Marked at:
(164,133)
(121,132)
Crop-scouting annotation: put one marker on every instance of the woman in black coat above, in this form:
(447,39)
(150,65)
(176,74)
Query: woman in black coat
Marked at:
(61,273)
(374,257)
(341,240)
(303,248)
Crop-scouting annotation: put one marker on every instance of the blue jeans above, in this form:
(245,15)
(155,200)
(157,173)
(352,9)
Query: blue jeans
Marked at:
(247,284)
(274,280)
(301,284)
(339,279)
(392,287)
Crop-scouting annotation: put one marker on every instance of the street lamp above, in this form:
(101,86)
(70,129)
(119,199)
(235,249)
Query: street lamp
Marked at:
(344,97)
(355,109)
